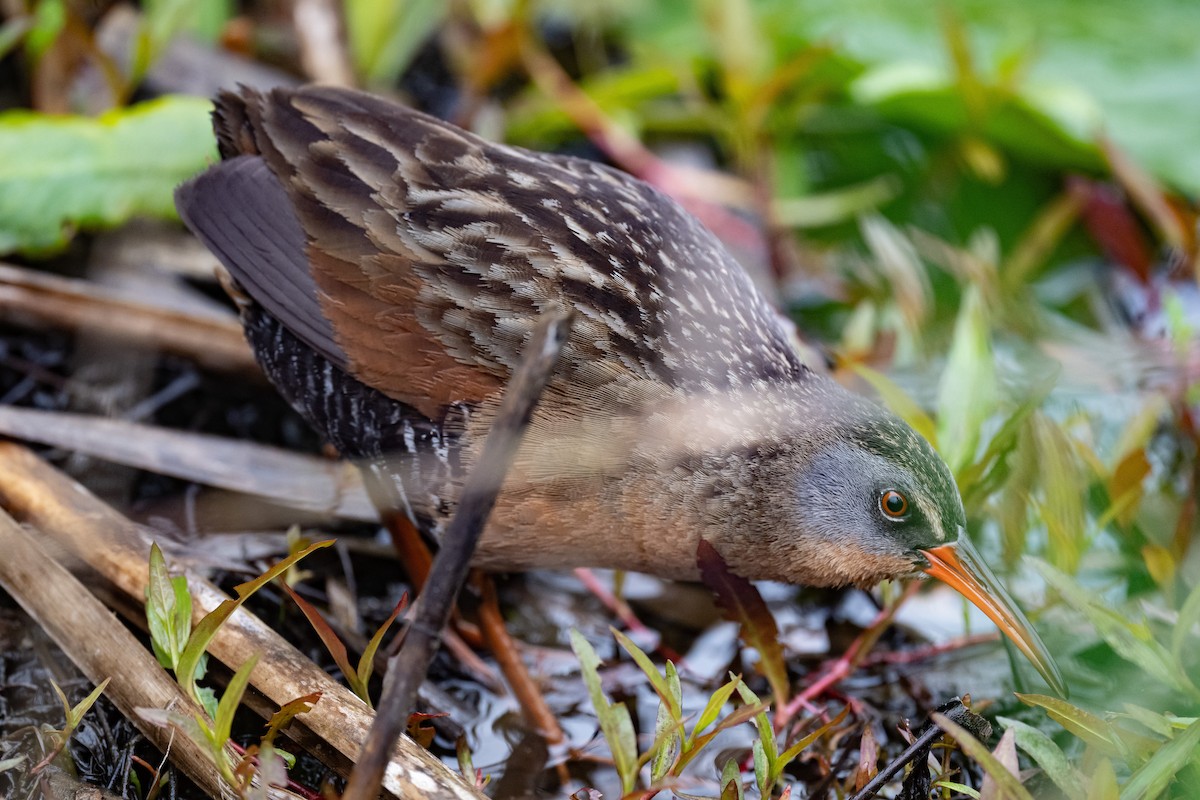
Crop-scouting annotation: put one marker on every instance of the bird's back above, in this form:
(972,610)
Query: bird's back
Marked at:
(393,266)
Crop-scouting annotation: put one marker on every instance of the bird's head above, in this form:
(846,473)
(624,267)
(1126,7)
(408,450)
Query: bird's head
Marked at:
(883,504)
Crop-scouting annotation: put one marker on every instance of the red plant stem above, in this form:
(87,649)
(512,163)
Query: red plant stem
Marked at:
(848,662)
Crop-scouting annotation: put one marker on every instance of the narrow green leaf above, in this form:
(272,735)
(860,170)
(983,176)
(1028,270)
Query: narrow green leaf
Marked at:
(1007,783)
(1183,635)
(961,788)
(366,664)
(1088,727)
(967,390)
(1153,777)
(615,722)
(75,716)
(230,700)
(762,769)
(713,707)
(1047,755)
(656,678)
(189,660)
(59,174)
(803,744)
(1103,782)
(1132,641)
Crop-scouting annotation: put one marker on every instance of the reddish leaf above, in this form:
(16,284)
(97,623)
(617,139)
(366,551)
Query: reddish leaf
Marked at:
(742,603)
(288,712)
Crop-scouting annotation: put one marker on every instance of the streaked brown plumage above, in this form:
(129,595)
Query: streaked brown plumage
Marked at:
(389,268)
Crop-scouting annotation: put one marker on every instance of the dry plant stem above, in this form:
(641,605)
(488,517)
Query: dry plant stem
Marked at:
(322,39)
(214,342)
(98,644)
(508,655)
(37,494)
(407,668)
(849,661)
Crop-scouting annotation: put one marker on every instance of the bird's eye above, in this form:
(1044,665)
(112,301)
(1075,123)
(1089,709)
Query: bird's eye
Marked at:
(893,504)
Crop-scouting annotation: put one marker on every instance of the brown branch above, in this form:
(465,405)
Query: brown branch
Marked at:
(408,667)
(99,645)
(37,494)
(212,341)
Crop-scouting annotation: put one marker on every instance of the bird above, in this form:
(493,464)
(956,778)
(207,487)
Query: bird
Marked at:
(388,268)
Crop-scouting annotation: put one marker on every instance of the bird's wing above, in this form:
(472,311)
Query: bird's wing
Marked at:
(435,251)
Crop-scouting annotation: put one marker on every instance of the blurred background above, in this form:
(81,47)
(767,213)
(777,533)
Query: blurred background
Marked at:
(982,214)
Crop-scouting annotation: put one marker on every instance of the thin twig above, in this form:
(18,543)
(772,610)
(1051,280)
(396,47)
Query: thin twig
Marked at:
(956,712)
(408,667)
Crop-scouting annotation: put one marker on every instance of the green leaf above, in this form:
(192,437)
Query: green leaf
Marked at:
(668,743)
(59,174)
(385,37)
(967,390)
(660,683)
(366,664)
(713,707)
(1047,755)
(1008,784)
(731,781)
(1103,782)
(804,743)
(1088,727)
(231,698)
(899,402)
(615,722)
(189,660)
(1131,640)
(168,610)
(1183,635)
(1153,777)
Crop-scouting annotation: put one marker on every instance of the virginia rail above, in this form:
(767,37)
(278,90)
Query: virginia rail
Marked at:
(389,266)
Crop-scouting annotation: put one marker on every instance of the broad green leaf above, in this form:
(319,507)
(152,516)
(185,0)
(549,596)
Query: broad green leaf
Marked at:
(168,611)
(59,174)
(1009,785)
(967,389)
(1153,777)
(1047,755)
(668,743)
(1088,727)
(731,781)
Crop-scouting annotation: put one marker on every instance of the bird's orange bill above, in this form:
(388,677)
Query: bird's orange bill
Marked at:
(961,566)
